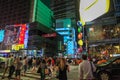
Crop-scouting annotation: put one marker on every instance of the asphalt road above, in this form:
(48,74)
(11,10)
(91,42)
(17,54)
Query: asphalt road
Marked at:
(72,75)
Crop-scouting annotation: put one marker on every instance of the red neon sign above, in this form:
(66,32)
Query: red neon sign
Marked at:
(49,35)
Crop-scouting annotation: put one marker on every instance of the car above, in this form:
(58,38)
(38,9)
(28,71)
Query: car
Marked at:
(109,69)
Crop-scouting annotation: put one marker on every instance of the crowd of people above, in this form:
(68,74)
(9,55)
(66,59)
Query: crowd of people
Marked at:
(45,66)
(54,67)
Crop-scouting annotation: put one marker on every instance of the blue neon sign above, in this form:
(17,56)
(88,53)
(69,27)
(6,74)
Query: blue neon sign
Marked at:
(2,35)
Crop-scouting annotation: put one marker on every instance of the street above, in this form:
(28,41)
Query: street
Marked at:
(72,75)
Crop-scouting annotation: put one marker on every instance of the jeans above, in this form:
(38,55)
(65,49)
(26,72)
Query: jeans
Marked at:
(42,74)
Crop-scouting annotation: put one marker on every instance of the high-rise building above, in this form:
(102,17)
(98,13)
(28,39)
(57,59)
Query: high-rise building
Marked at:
(117,9)
(14,12)
(66,16)
(31,17)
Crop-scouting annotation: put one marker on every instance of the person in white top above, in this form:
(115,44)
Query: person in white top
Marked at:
(34,64)
(6,67)
(11,66)
(85,70)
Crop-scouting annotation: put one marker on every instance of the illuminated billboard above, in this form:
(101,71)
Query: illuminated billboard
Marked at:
(42,14)
(1,35)
(92,9)
(15,36)
(95,32)
(11,35)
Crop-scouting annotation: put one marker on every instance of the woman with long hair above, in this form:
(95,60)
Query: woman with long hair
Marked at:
(63,68)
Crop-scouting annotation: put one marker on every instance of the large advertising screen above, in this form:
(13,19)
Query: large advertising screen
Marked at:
(15,37)
(92,9)
(11,35)
(103,32)
(95,32)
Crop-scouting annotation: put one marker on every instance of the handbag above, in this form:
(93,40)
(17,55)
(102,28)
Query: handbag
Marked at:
(39,70)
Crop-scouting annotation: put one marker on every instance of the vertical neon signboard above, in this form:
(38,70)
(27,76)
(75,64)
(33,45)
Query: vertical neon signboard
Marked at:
(22,34)
(26,36)
(2,35)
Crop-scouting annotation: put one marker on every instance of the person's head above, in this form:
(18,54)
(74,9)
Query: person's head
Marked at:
(25,57)
(62,63)
(18,59)
(84,57)
(43,61)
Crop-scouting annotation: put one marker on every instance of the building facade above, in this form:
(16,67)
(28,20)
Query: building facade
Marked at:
(30,17)
(104,32)
(63,10)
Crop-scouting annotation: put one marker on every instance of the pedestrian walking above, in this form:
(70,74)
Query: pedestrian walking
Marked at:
(25,63)
(11,66)
(63,68)
(18,67)
(85,70)
(49,66)
(30,63)
(6,67)
(42,69)
(34,64)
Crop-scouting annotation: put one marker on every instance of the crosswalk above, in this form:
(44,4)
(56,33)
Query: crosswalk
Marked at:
(27,76)
(72,75)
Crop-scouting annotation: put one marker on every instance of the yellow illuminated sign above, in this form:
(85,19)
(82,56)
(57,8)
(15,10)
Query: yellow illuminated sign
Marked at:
(17,46)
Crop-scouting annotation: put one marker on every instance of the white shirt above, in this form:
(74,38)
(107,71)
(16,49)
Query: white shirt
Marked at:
(85,71)
(10,61)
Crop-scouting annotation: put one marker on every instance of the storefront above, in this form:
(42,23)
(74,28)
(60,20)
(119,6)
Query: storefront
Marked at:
(104,39)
